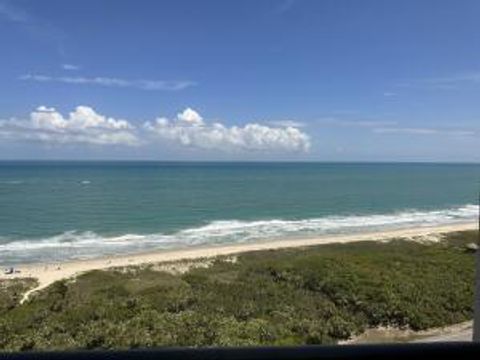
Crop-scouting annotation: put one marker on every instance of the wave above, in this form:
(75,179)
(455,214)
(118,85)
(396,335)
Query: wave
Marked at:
(74,244)
(11,182)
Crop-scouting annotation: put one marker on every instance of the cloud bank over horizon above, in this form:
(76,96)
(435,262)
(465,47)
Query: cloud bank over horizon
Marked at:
(189,129)
(85,126)
(82,126)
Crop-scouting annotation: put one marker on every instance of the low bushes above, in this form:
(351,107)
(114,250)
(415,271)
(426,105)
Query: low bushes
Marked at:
(315,295)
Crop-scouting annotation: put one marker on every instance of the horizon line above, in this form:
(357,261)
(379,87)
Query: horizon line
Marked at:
(245,161)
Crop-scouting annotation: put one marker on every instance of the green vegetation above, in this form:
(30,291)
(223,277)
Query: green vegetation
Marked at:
(315,295)
(11,292)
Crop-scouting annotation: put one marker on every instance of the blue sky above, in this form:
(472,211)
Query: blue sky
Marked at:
(241,80)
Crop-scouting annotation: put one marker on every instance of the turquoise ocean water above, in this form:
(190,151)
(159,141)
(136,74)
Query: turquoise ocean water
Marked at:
(51,211)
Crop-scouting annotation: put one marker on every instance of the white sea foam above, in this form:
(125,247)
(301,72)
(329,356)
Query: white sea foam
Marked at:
(89,244)
(11,182)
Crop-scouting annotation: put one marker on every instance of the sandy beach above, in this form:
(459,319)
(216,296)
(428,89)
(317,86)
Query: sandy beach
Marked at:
(46,274)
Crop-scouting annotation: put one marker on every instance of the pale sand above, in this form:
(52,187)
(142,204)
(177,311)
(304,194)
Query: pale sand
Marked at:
(457,332)
(46,274)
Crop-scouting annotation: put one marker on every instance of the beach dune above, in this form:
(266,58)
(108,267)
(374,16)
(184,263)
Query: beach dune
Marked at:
(47,274)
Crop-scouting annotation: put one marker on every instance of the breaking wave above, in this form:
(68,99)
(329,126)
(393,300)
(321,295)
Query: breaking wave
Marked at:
(74,244)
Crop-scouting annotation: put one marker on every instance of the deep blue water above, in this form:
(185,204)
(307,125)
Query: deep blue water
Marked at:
(57,210)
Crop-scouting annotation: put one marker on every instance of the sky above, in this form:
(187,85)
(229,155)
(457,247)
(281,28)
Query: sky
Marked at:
(296,80)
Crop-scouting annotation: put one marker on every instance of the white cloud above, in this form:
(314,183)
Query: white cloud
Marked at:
(189,129)
(35,27)
(354,123)
(285,6)
(190,117)
(153,85)
(13,14)
(287,123)
(443,83)
(70,67)
(83,125)
(424,131)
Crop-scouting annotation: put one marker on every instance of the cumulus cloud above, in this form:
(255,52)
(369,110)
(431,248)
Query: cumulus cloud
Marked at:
(83,125)
(190,117)
(189,129)
(152,85)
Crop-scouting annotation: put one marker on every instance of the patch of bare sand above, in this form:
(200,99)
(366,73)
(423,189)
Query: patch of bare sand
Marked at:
(47,274)
(456,332)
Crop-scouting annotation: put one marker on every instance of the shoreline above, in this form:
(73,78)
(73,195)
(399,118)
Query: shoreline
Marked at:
(48,273)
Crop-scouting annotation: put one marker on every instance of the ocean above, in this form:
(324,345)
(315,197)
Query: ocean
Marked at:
(54,211)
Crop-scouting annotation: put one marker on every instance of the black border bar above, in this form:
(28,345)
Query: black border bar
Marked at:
(462,350)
